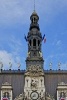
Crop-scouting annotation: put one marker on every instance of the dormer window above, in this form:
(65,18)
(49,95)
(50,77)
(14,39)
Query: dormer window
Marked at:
(6,96)
(6,91)
(61,91)
(62,96)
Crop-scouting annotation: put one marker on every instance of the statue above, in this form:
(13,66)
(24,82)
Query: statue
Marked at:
(28,54)
(34,83)
(40,53)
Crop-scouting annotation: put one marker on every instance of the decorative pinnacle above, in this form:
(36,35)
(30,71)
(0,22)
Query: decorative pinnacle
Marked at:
(1,65)
(10,65)
(59,64)
(19,65)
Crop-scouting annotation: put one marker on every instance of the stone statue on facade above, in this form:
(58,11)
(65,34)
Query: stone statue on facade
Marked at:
(34,83)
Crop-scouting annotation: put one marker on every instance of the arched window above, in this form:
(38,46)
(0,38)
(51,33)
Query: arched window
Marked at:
(34,20)
(6,91)
(34,42)
(62,95)
(6,95)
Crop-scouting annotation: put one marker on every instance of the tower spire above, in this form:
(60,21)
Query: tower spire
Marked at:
(34,39)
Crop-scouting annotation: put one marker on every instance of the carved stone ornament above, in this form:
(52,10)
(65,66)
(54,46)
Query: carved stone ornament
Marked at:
(21,97)
(28,55)
(34,74)
(6,84)
(36,68)
(34,83)
(62,83)
(49,97)
(40,54)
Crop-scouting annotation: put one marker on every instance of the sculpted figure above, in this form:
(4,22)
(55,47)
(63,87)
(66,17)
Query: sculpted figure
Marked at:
(34,83)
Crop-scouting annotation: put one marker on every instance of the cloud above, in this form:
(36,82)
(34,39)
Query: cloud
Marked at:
(63,66)
(64,33)
(58,43)
(15,45)
(12,11)
(19,10)
(13,54)
(6,58)
(17,50)
(54,59)
(56,55)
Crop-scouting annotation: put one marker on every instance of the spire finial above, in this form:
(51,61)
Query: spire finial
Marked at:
(34,5)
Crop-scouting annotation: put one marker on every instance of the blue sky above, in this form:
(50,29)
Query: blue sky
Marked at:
(15,22)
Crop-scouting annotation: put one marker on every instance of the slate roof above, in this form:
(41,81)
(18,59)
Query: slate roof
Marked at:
(16,79)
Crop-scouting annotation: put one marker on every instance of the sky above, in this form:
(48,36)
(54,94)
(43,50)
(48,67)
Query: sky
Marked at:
(15,22)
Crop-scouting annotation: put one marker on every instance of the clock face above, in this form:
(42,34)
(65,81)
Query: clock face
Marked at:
(34,95)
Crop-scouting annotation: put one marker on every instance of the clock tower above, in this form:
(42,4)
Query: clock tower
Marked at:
(34,88)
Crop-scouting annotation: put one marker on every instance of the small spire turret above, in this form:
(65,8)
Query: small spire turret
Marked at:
(34,21)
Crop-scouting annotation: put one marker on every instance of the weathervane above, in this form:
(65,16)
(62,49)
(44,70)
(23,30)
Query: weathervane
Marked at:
(34,5)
